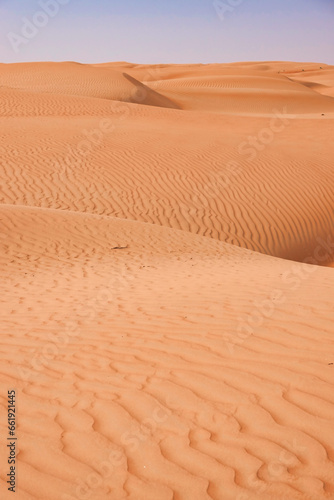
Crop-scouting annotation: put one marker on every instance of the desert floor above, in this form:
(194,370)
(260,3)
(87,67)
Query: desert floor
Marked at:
(167,254)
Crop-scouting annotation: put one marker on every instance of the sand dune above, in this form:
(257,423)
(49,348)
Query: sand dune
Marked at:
(233,93)
(116,354)
(260,178)
(79,80)
(167,270)
(320,81)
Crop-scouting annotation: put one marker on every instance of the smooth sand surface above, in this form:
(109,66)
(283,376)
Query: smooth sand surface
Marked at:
(167,254)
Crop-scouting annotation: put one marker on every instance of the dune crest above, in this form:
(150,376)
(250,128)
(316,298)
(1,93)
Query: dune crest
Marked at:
(245,160)
(73,79)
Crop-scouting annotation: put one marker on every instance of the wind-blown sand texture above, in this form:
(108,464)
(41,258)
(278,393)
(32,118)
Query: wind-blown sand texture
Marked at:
(167,254)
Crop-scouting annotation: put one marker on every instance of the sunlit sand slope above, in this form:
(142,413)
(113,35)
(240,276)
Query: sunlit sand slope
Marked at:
(151,363)
(79,80)
(240,87)
(260,176)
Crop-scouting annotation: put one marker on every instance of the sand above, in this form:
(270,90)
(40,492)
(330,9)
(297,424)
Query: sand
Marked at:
(167,254)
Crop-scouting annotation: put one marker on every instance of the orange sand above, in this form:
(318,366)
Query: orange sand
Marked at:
(167,254)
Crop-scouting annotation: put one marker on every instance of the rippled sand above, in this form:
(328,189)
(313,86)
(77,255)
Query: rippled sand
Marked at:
(167,254)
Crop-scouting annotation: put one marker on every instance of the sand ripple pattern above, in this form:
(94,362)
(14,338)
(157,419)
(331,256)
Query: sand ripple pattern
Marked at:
(165,339)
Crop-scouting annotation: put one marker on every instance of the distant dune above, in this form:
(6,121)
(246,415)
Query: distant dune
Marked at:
(75,79)
(167,254)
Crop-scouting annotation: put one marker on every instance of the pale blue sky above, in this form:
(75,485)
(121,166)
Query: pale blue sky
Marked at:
(177,31)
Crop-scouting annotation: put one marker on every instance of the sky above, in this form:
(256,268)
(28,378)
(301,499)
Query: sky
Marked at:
(170,31)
